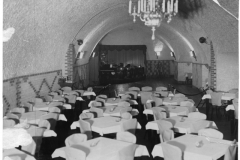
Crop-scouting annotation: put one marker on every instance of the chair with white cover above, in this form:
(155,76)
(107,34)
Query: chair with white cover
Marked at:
(127,153)
(66,88)
(75,139)
(126,97)
(145,96)
(48,98)
(84,116)
(184,111)
(98,112)
(189,105)
(100,100)
(54,110)
(216,102)
(80,92)
(129,125)
(126,115)
(125,109)
(53,94)
(74,154)
(167,135)
(162,126)
(38,100)
(230,154)
(17,110)
(28,106)
(8,123)
(52,119)
(157,101)
(44,123)
(85,128)
(30,149)
(161,89)
(95,104)
(126,137)
(210,132)
(133,94)
(71,99)
(123,104)
(146,89)
(179,95)
(13,116)
(134,89)
(197,115)
(159,113)
(102,96)
(90,89)
(171,152)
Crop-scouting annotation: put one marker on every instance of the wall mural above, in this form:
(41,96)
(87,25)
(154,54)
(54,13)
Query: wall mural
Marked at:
(157,68)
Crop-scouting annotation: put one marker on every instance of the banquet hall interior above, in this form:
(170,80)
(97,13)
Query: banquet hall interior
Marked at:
(120,79)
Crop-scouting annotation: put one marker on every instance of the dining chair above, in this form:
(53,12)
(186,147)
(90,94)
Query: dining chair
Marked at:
(71,99)
(74,154)
(59,98)
(17,110)
(235,104)
(126,137)
(28,106)
(38,100)
(30,149)
(126,97)
(123,104)
(126,115)
(95,104)
(161,89)
(129,125)
(145,96)
(102,101)
(8,123)
(157,101)
(89,89)
(133,94)
(60,92)
(231,152)
(134,89)
(146,89)
(85,128)
(66,88)
(102,96)
(162,126)
(167,135)
(159,113)
(80,92)
(189,105)
(52,118)
(125,109)
(84,116)
(171,152)
(48,98)
(210,132)
(12,116)
(216,103)
(75,139)
(179,95)
(54,110)
(44,123)
(197,115)
(162,93)
(127,153)
(53,93)
(184,111)
(98,112)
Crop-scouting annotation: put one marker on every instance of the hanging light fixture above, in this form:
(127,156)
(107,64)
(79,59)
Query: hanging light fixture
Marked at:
(152,12)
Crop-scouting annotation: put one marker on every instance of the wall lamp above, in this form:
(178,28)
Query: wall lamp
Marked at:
(173,55)
(80,42)
(81,54)
(158,53)
(193,54)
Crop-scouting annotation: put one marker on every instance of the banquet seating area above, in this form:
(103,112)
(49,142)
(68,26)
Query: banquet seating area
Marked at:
(142,121)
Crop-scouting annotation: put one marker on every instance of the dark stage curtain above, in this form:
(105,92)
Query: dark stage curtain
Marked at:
(126,54)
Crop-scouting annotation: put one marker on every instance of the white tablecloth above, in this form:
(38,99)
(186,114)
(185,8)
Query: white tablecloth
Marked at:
(16,152)
(116,112)
(187,126)
(88,93)
(230,107)
(106,149)
(32,117)
(209,151)
(79,99)
(104,125)
(172,111)
(224,97)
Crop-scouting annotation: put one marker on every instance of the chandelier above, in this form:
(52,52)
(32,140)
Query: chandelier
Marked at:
(152,12)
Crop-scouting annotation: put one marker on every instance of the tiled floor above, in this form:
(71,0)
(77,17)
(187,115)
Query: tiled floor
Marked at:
(149,139)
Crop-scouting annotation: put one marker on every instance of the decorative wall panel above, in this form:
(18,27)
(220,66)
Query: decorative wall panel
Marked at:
(157,68)
(22,89)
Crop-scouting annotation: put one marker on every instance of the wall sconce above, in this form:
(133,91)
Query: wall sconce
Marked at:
(173,55)
(193,54)
(93,54)
(81,54)
(80,42)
